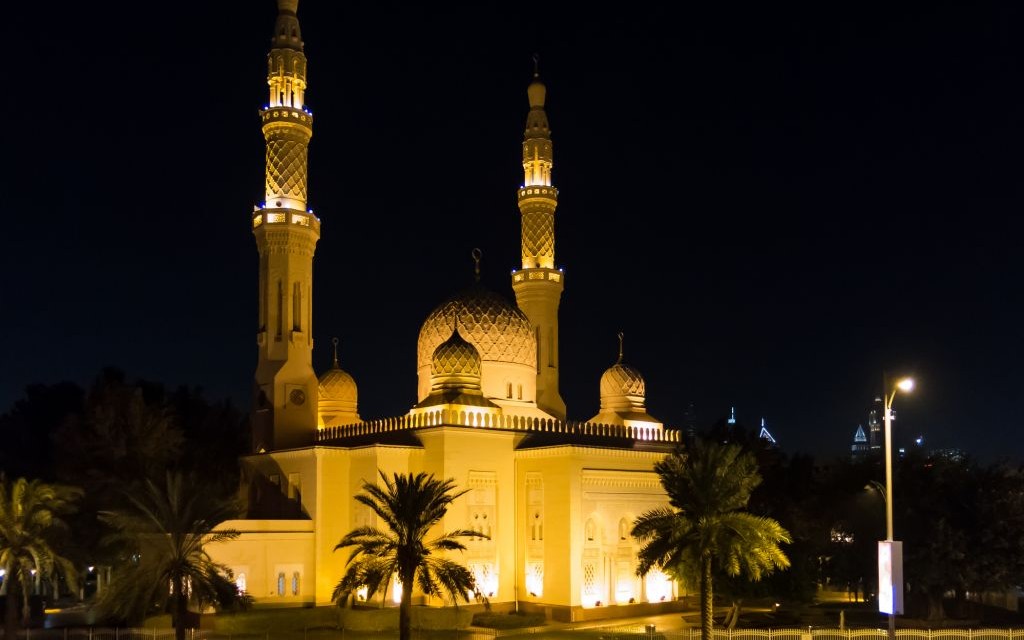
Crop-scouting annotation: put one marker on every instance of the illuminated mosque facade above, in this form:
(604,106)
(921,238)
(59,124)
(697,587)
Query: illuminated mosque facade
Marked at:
(555,499)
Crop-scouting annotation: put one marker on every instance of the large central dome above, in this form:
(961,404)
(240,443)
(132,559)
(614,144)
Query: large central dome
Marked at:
(497,328)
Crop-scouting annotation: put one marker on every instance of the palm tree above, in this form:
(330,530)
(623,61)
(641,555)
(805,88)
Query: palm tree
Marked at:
(165,531)
(706,527)
(409,506)
(30,512)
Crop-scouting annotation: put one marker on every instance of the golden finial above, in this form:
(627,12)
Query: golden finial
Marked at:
(536,91)
(621,336)
(477,253)
(334,341)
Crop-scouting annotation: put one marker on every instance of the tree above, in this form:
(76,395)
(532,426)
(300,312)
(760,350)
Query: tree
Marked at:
(128,430)
(30,515)
(28,427)
(962,526)
(409,506)
(706,527)
(166,530)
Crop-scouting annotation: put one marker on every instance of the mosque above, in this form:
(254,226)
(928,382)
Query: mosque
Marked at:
(555,498)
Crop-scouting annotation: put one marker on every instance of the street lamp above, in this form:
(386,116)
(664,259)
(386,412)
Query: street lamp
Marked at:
(890,553)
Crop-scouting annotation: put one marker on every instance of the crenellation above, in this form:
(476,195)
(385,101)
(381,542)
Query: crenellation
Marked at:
(462,418)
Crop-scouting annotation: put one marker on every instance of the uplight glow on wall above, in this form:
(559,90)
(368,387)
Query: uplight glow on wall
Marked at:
(658,586)
(535,584)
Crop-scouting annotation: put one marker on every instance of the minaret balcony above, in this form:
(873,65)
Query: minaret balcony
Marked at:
(538,274)
(537,191)
(286,115)
(284,217)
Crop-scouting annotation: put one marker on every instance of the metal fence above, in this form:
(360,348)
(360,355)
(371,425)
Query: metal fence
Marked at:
(611,632)
(811,633)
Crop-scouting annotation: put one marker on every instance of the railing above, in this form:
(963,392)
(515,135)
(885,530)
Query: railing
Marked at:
(164,633)
(493,421)
(600,632)
(650,632)
(811,633)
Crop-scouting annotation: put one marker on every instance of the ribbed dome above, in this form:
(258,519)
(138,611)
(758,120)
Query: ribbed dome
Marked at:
(456,365)
(498,329)
(338,395)
(337,384)
(455,358)
(622,380)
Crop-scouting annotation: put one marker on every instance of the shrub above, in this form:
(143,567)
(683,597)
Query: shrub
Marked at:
(511,620)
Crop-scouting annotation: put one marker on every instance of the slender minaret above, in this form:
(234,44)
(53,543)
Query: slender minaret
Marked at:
(538,286)
(285,409)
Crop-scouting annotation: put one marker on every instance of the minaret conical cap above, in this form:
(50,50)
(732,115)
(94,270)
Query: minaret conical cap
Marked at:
(288,5)
(537,92)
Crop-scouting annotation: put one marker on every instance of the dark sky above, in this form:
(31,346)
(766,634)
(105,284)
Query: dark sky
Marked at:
(774,201)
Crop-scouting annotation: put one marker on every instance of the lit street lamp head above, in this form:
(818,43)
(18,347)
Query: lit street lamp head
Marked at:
(906,385)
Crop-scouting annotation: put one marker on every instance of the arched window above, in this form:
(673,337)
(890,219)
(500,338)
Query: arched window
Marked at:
(280,307)
(240,582)
(280,583)
(591,530)
(295,583)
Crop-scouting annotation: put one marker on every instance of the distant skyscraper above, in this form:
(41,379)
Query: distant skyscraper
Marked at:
(876,423)
(765,435)
(689,426)
(874,439)
(860,444)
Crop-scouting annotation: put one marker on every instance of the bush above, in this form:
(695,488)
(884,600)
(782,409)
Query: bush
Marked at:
(511,620)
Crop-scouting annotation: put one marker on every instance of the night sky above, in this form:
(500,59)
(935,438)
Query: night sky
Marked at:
(775,202)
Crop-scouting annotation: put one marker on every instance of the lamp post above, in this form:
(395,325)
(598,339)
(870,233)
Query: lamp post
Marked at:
(894,550)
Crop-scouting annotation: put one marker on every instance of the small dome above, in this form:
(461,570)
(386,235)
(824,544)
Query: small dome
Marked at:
(455,359)
(622,380)
(537,92)
(337,384)
(498,329)
(623,396)
(338,395)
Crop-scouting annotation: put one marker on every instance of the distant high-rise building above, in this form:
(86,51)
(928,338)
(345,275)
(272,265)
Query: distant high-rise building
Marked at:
(860,447)
(872,440)
(876,424)
(689,426)
(765,435)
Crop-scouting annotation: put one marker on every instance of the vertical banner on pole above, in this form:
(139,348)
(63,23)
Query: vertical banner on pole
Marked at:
(890,577)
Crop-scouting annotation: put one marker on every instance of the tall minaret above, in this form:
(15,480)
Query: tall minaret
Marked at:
(538,286)
(285,411)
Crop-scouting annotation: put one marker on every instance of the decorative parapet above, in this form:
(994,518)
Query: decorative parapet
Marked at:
(447,417)
(526,193)
(537,273)
(288,115)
